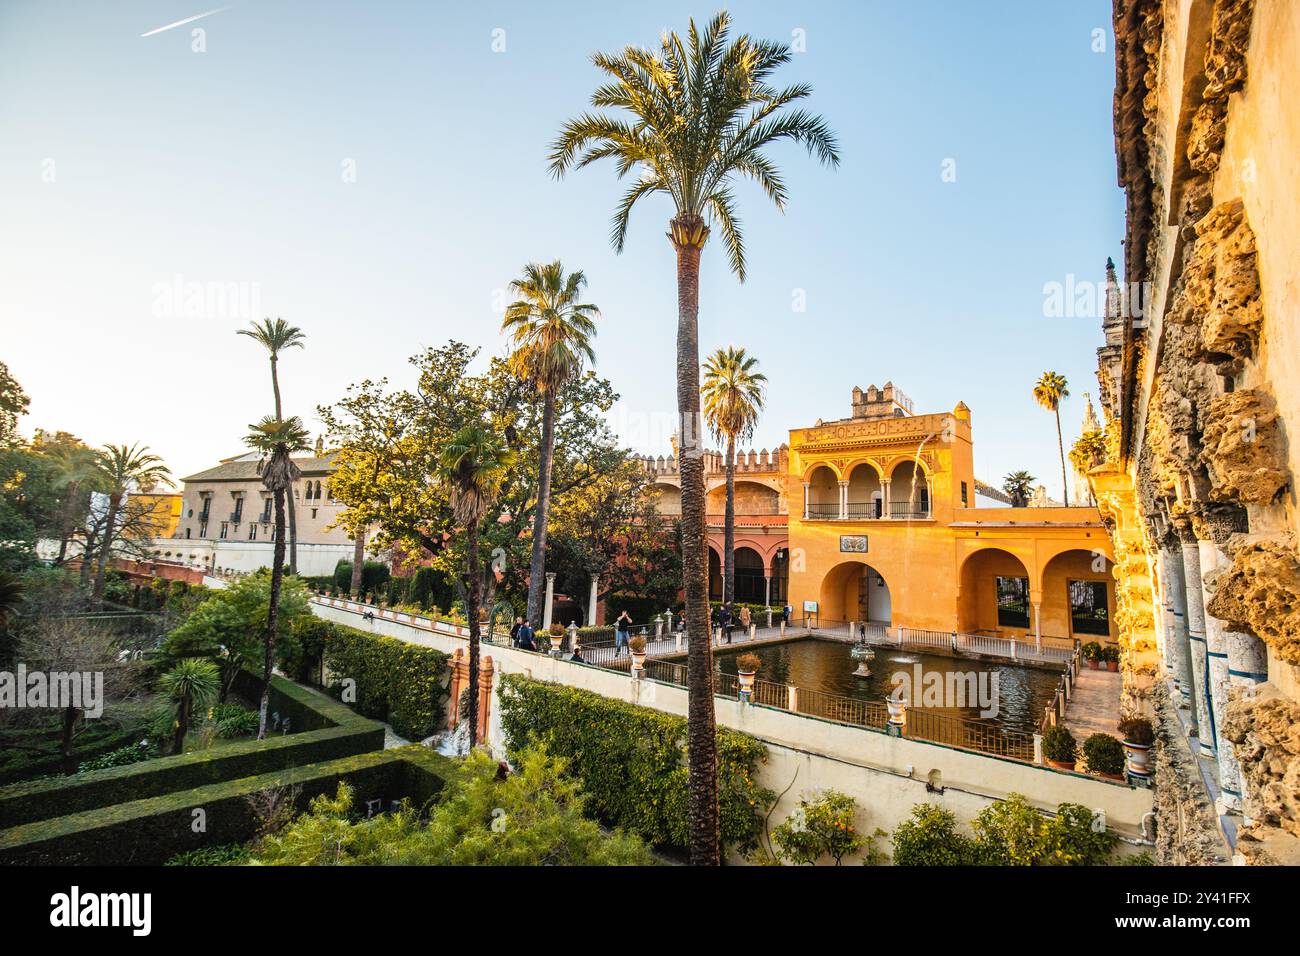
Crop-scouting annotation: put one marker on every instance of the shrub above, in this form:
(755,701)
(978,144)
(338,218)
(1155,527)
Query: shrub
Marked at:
(636,644)
(1059,745)
(374,576)
(1110,653)
(824,826)
(227,854)
(1137,730)
(1104,754)
(749,663)
(121,757)
(402,683)
(930,838)
(631,760)
(238,723)
(1092,651)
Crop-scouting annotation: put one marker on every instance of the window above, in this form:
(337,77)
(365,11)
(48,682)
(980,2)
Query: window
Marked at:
(1013,602)
(225,528)
(313,513)
(266,511)
(203,529)
(239,511)
(1089,612)
(187,531)
(252,531)
(964,498)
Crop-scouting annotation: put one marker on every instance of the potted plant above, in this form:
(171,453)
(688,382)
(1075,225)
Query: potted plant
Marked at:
(636,644)
(556,635)
(1110,654)
(747,666)
(1137,737)
(1105,756)
(1059,748)
(1092,654)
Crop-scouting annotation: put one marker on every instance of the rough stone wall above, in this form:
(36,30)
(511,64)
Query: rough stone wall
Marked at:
(1265,731)
(1260,594)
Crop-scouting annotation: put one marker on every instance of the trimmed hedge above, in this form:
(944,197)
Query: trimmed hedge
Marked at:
(329,730)
(153,830)
(631,760)
(27,766)
(404,684)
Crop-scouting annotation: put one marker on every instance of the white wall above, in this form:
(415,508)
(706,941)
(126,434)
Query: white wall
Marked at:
(886,775)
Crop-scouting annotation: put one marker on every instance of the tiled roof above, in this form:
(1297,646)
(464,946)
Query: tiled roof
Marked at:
(241,469)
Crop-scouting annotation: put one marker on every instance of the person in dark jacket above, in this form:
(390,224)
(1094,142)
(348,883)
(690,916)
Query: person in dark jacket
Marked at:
(622,631)
(525,637)
(514,631)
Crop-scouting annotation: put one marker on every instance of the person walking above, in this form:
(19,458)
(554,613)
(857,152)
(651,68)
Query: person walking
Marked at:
(786,613)
(621,628)
(514,631)
(745,618)
(525,637)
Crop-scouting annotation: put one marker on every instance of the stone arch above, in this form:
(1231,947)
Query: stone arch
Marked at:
(909,489)
(866,493)
(1078,596)
(670,498)
(752,498)
(823,491)
(980,606)
(855,591)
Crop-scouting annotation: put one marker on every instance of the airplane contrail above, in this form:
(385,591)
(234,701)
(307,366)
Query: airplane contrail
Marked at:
(179,23)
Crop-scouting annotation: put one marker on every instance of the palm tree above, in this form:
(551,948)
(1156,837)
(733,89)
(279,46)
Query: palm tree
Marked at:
(551,333)
(189,687)
(76,468)
(122,469)
(1019,485)
(1049,390)
(277,440)
(471,468)
(699,115)
(275,337)
(733,399)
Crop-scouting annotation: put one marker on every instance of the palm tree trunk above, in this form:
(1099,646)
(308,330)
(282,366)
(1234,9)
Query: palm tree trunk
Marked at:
(1060,446)
(729,527)
(275,386)
(272,612)
(65,525)
(358,559)
(701,740)
(293,531)
(105,546)
(537,567)
(475,575)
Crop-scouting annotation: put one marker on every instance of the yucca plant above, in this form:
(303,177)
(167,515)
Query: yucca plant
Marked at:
(188,688)
(695,115)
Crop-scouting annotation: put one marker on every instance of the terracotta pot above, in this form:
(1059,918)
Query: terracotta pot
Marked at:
(1093,665)
(1112,776)
(1112,665)
(1061,764)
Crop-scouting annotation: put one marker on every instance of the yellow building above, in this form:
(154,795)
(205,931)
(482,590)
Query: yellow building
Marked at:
(885,526)
(161,511)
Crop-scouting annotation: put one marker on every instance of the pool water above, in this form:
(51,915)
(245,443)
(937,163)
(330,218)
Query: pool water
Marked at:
(826,666)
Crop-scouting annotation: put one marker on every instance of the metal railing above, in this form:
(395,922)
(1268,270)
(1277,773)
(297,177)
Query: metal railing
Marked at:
(969,734)
(823,511)
(1054,712)
(905,509)
(864,510)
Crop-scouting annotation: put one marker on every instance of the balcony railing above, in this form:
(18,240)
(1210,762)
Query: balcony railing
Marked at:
(823,512)
(868,511)
(236,517)
(864,510)
(906,509)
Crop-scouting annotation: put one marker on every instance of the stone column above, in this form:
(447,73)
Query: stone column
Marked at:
(884,497)
(593,600)
(807,496)
(844,500)
(767,591)
(484,697)
(1196,638)
(550,599)
(1038,623)
(1180,652)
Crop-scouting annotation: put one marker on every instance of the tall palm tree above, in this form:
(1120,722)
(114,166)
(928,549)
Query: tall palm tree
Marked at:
(551,331)
(471,468)
(122,469)
(698,115)
(76,472)
(277,441)
(733,400)
(276,336)
(1048,391)
(1019,485)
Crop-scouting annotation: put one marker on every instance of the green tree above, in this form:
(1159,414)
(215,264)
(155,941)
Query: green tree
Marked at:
(189,687)
(277,336)
(551,332)
(123,469)
(487,816)
(696,116)
(276,440)
(1019,485)
(825,825)
(733,400)
(472,466)
(13,405)
(1048,392)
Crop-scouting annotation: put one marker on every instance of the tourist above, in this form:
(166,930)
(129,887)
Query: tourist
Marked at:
(577,657)
(786,613)
(745,617)
(621,627)
(514,631)
(524,638)
(727,619)
(681,619)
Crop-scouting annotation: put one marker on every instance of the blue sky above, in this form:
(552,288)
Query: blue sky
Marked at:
(126,161)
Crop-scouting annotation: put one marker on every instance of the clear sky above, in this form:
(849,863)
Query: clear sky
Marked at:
(376,174)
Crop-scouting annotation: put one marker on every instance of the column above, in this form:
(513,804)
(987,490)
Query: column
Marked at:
(593,600)
(1223,649)
(484,698)
(884,494)
(806,499)
(1180,652)
(1038,623)
(550,599)
(844,500)
(1196,638)
(767,590)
